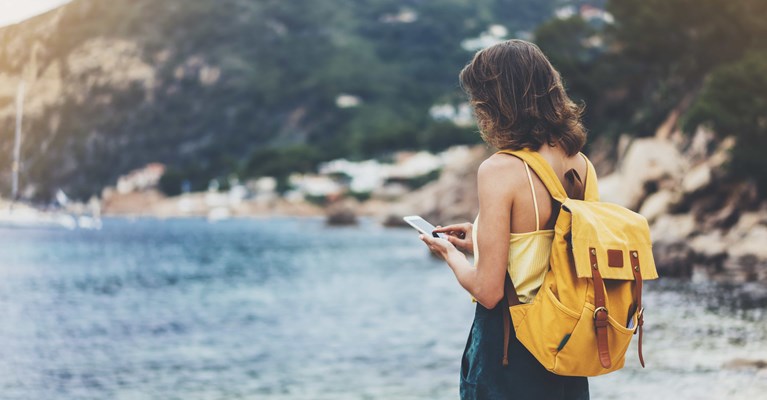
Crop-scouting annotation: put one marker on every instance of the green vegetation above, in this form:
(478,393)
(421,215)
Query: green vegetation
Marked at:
(670,46)
(418,181)
(279,68)
(705,58)
(171,182)
(360,196)
(249,88)
(711,51)
(734,102)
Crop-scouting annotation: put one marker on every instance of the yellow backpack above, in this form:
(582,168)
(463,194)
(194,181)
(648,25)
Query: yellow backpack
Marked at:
(590,304)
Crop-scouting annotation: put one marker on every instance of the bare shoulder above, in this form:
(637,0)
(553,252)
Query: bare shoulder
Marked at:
(581,165)
(503,171)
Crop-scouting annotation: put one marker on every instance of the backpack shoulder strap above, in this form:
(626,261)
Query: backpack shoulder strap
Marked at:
(549,178)
(543,170)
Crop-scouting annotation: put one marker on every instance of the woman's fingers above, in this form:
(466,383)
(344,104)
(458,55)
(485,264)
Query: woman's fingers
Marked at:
(444,229)
(461,231)
(459,243)
(436,245)
(458,235)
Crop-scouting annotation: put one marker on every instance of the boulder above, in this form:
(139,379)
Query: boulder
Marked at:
(342,212)
(696,178)
(741,363)
(672,228)
(393,220)
(722,207)
(611,189)
(751,242)
(657,204)
(451,198)
(673,259)
(746,222)
(709,244)
(700,145)
(646,160)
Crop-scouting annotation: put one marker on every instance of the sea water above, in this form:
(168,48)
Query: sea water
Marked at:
(288,308)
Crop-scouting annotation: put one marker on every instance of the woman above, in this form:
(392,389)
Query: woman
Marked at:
(519,102)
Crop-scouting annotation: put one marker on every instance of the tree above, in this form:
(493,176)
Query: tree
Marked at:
(733,101)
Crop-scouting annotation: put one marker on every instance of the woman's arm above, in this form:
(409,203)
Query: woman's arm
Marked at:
(496,184)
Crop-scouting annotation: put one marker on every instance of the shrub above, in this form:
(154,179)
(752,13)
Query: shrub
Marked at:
(733,102)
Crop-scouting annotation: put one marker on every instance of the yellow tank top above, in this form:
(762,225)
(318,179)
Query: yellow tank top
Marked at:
(529,254)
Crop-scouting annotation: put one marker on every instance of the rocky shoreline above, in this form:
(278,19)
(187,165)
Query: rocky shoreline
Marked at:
(152,203)
(704,225)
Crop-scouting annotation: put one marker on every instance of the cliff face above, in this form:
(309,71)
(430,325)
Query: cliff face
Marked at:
(112,85)
(202,85)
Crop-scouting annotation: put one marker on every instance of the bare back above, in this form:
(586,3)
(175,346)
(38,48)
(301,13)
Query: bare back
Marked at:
(523,211)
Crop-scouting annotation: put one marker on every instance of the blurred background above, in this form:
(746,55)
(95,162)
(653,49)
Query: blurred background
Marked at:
(202,199)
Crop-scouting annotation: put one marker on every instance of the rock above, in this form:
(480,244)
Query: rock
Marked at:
(741,363)
(669,125)
(657,204)
(672,228)
(700,144)
(390,191)
(611,189)
(342,212)
(673,259)
(741,269)
(753,242)
(697,178)
(602,155)
(724,207)
(647,160)
(709,244)
(394,220)
(722,153)
(393,215)
(451,198)
(748,220)
(623,145)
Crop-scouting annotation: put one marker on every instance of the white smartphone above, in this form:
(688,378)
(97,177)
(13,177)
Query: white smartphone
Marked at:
(421,225)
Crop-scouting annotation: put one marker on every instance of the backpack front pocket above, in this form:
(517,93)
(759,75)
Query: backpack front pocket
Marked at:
(544,325)
(579,353)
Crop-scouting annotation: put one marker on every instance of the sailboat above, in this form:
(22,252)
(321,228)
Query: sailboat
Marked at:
(16,214)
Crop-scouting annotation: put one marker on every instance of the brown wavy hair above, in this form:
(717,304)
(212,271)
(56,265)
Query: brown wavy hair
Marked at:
(519,99)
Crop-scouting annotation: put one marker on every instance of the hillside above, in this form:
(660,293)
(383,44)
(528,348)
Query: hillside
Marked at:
(212,86)
(220,88)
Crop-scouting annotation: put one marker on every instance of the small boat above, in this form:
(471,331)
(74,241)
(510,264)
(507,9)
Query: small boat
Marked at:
(17,214)
(88,222)
(23,216)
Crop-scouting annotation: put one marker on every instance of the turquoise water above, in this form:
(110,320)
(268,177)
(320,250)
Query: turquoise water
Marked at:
(291,309)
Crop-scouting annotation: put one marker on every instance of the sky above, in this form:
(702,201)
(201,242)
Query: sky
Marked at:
(12,11)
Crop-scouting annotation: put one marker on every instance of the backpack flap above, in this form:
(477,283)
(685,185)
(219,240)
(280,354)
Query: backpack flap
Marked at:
(615,233)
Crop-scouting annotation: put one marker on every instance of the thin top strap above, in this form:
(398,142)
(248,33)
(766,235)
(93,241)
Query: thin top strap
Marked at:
(535,200)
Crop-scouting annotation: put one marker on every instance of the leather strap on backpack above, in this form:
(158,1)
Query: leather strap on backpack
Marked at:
(511,299)
(638,300)
(600,312)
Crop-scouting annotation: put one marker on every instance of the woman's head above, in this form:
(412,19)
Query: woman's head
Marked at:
(519,99)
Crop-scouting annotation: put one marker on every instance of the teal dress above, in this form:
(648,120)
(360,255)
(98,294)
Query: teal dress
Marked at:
(483,376)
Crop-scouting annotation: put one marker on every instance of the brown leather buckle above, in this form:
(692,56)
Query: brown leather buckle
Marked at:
(598,309)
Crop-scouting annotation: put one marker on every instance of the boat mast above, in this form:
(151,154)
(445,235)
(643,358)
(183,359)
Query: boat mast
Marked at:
(17,143)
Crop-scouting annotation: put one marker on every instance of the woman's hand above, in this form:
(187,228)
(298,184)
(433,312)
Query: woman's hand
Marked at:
(441,247)
(459,235)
